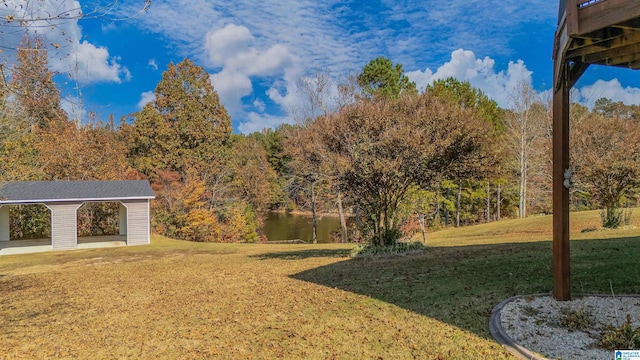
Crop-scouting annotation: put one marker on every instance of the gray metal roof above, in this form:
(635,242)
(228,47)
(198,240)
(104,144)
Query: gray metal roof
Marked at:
(28,192)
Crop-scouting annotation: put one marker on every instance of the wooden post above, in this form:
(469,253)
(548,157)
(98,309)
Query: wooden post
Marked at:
(588,33)
(561,268)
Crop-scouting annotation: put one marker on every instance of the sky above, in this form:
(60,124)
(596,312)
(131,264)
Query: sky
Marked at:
(257,51)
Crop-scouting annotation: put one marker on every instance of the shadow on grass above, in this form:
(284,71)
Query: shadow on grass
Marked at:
(461,285)
(303,254)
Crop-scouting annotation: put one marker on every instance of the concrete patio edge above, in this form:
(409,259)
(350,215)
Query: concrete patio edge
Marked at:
(498,333)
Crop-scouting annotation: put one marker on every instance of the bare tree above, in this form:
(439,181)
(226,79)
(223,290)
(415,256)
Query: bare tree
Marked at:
(28,12)
(521,136)
(319,96)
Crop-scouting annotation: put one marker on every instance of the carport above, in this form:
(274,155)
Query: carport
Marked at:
(63,198)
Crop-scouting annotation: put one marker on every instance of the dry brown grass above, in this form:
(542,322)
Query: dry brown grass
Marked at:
(184,300)
(181,300)
(533,228)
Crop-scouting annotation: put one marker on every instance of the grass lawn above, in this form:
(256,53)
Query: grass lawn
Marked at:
(176,299)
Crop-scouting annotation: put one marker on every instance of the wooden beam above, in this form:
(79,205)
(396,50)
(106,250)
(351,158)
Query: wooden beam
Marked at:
(632,27)
(583,46)
(605,13)
(633,48)
(575,71)
(561,43)
(633,65)
(561,258)
(571,17)
(622,60)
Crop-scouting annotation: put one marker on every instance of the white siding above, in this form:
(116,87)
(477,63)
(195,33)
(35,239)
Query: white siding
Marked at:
(4,223)
(137,222)
(122,220)
(64,229)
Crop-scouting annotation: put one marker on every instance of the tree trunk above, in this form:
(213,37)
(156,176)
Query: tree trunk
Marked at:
(498,202)
(437,215)
(421,221)
(522,206)
(356,212)
(343,220)
(446,210)
(488,201)
(458,205)
(313,212)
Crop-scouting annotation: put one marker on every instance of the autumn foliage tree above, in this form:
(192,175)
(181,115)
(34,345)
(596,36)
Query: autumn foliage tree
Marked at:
(254,180)
(185,125)
(208,186)
(384,149)
(607,162)
(32,84)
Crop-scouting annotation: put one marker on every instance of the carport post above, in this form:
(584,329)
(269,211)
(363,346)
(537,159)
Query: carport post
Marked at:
(122,220)
(64,220)
(4,223)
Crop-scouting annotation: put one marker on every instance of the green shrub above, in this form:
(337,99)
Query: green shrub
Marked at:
(623,337)
(611,218)
(572,320)
(627,216)
(530,310)
(399,248)
(390,237)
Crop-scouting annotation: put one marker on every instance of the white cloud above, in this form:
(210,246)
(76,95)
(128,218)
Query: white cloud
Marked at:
(285,91)
(82,60)
(269,43)
(268,38)
(275,29)
(145,98)
(481,73)
(259,104)
(498,85)
(106,27)
(94,65)
(232,86)
(611,89)
(226,43)
(257,122)
(233,49)
(338,35)
(152,64)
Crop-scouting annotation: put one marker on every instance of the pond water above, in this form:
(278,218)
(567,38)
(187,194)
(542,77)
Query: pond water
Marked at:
(282,226)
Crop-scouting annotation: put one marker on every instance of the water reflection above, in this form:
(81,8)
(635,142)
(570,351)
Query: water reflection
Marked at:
(282,226)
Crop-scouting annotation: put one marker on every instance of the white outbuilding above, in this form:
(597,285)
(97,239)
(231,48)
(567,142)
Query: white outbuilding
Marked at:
(63,198)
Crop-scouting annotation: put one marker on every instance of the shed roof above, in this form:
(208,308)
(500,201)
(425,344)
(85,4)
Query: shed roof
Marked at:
(29,192)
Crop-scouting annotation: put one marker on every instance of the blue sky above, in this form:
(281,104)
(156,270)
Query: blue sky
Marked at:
(257,51)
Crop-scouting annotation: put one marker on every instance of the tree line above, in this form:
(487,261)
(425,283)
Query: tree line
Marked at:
(390,160)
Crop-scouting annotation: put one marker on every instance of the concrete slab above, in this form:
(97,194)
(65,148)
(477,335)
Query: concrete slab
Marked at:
(42,245)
